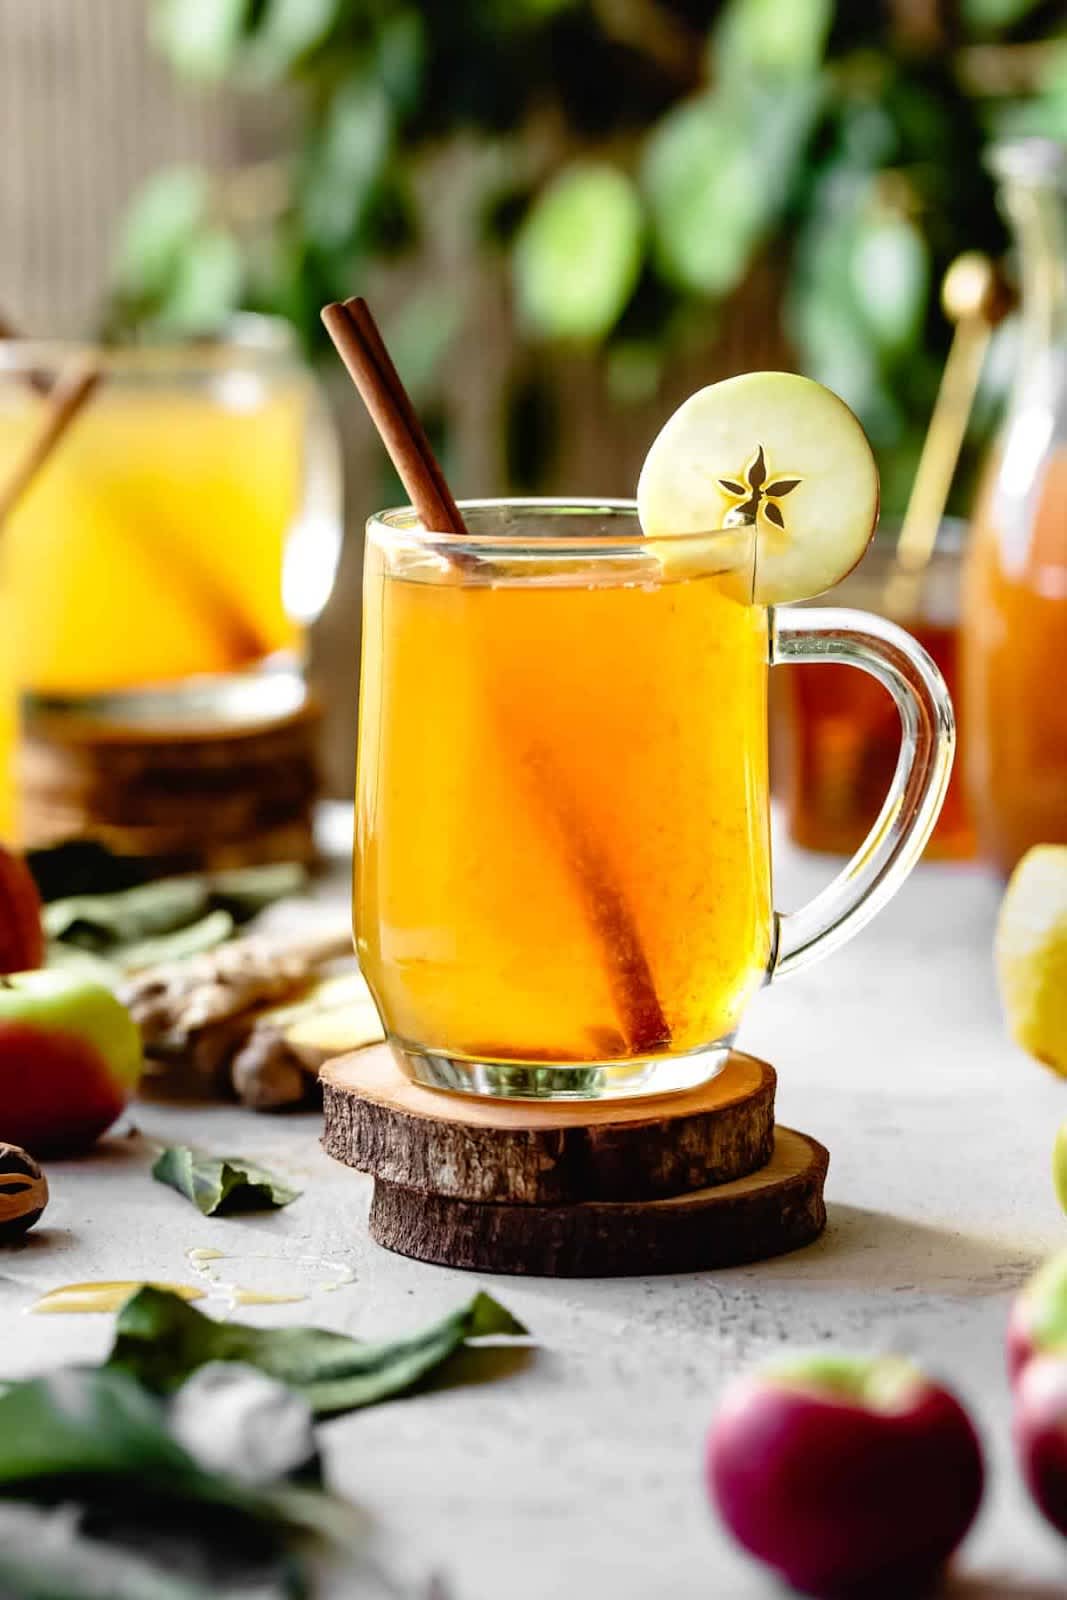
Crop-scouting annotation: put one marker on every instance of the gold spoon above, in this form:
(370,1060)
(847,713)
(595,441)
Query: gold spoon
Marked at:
(975,298)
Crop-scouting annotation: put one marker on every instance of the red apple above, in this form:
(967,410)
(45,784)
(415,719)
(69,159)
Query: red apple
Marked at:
(1038,1321)
(849,1475)
(1040,1430)
(21,934)
(70,1057)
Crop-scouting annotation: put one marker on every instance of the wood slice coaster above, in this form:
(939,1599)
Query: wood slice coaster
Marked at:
(531,1153)
(765,1214)
(195,797)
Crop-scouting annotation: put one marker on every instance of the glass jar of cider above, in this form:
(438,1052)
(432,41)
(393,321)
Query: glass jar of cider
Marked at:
(1014,644)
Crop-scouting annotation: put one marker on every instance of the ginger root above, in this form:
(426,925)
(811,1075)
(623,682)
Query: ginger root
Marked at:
(257,1016)
(174,1002)
(266,1074)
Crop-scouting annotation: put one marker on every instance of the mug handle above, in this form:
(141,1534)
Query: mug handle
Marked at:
(907,818)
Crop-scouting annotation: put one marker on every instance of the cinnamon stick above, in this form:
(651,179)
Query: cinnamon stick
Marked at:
(36,380)
(359,343)
(362,349)
(64,403)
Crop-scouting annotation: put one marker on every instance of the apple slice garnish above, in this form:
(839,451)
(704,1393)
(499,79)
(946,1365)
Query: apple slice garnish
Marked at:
(775,452)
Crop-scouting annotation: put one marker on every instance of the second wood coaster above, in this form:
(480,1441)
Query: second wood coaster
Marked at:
(526,1153)
(765,1214)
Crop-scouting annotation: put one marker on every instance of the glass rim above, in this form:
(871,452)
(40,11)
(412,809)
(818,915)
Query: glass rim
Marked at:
(400,524)
(251,335)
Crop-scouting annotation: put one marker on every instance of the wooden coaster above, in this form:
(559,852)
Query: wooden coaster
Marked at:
(531,1153)
(765,1214)
(196,797)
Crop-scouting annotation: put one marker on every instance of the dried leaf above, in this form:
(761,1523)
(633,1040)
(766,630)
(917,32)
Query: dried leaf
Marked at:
(220,1184)
(161,1340)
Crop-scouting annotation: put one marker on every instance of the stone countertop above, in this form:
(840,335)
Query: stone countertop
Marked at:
(577,1469)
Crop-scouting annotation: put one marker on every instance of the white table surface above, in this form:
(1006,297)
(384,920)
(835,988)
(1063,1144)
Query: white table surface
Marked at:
(578,1471)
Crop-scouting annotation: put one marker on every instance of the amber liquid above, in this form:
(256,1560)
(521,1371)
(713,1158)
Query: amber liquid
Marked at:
(513,733)
(841,747)
(1015,647)
(151,547)
(8,712)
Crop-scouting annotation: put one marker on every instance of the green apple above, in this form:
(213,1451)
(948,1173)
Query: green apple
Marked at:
(70,1057)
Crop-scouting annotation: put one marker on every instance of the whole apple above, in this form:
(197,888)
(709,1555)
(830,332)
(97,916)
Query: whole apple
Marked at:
(1039,1426)
(21,934)
(849,1475)
(70,1057)
(1038,1321)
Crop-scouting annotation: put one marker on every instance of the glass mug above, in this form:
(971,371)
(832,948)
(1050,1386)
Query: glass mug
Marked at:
(185,533)
(562,883)
(8,706)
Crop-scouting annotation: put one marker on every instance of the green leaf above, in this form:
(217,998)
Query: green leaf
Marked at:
(114,922)
(161,221)
(201,38)
(220,1184)
(207,286)
(770,39)
(286,32)
(707,197)
(346,161)
(97,1439)
(161,1340)
(420,333)
(400,51)
(207,933)
(95,1423)
(93,1426)
(48,1556)
(891,280)
(578,253)
(102,921)
(987,16)
(719,172)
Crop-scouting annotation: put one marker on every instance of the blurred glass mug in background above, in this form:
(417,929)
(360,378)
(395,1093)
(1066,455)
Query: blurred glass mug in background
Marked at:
(562,866)
(166,560)
(838,736)
(8,706)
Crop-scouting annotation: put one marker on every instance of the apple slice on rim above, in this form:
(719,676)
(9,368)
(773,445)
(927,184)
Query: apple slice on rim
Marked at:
(776,452)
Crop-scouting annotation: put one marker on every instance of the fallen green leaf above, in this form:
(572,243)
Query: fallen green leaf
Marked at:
(45,1554)
(102,921)
(218,1184)
(164,1524)
(206,934)
(133,925)
(161,1339)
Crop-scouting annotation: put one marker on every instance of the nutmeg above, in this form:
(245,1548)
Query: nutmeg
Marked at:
(23,1192)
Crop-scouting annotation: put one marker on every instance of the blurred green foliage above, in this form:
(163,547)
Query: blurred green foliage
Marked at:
(644,154)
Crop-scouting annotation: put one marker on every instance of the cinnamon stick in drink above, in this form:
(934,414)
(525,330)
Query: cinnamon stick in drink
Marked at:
(61,409)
